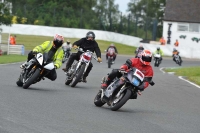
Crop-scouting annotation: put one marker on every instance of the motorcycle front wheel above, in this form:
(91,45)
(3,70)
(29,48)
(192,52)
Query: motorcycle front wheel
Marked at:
(31,79)
(97,100)
(19,83)
(109,62)
(118,102)
(78,75)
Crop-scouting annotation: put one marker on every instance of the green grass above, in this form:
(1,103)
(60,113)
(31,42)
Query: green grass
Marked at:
(12,58)
(191,73)
(30,41)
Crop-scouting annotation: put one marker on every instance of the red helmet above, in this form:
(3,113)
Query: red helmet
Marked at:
(58,41)
(146,57)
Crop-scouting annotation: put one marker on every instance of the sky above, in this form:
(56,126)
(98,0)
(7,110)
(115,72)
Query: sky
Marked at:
(122,5)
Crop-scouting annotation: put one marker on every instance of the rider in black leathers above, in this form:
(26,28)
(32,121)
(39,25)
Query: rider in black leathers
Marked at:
(87,43)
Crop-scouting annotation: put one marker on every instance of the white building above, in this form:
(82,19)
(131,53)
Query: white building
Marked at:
(184,18)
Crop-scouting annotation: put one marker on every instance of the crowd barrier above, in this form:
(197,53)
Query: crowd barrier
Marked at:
(13,49)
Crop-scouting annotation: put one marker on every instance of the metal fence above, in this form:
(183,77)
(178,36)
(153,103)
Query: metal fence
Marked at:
(12,49)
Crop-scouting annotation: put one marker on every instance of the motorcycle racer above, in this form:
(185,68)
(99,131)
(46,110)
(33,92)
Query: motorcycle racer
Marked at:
(87,43)
(159,51)
(53,46)
(138,51)
(142,63)
(116,52)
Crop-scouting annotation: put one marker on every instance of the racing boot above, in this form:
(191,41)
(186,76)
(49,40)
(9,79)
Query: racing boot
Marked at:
(65,69)
(22,66)
(105,83)
(84,80)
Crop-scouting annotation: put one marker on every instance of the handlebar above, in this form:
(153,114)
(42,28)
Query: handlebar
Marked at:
(81,50)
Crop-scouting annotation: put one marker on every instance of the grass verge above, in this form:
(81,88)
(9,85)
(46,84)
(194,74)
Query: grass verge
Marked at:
(191,73)
(4,59)
(30,41)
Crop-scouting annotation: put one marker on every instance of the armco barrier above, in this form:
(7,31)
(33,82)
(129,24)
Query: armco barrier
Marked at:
(13,49)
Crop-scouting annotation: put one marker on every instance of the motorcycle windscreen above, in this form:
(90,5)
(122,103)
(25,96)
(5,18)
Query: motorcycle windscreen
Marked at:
(111,51)
(40,58)
(157,55)
(49,66)
(136,77)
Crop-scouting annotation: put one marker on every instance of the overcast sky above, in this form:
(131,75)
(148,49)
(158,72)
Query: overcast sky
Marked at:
(122,5)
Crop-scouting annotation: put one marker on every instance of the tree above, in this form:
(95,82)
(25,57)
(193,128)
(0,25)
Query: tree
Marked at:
(5,14)
(147,12)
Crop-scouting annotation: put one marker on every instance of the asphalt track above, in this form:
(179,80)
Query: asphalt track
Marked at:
(171,106)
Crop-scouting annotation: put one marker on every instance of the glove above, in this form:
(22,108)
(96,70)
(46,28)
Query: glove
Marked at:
(75,46)
(141,87)
(99,59)
(122,71)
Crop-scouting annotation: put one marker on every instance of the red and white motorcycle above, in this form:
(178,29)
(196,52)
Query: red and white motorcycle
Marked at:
(111,55)
(78,68)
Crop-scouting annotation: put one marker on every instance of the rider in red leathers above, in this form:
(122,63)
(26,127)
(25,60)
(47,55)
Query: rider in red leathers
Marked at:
(142,63)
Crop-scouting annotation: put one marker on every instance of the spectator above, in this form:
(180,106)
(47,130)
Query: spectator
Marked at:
(176,43)
(162,41)
(12,40)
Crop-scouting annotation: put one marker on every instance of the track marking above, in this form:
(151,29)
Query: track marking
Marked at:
(180,77)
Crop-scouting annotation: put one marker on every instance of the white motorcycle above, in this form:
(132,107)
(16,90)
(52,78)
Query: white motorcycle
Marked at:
(37,68)
(78,68)
(157,59)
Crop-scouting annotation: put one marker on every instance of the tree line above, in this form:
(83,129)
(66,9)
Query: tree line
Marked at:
(144,17)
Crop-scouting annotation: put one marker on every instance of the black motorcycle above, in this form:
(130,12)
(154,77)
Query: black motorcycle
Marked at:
(121,89)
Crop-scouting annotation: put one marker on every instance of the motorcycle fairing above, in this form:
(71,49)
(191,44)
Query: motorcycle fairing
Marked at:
(49,66)
(40,58)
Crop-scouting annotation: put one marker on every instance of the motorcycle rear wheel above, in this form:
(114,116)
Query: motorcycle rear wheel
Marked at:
(32,79)
(125,97)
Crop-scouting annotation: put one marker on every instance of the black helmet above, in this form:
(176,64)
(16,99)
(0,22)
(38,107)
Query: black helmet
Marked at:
(68,41)
(58,41)
(90,34)
(158,48)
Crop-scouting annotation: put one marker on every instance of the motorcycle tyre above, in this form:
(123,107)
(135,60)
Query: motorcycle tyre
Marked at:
(122,101)
(97,100)
(109,62)
(78,76)
(19,83)
(32,79)
(67,82)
